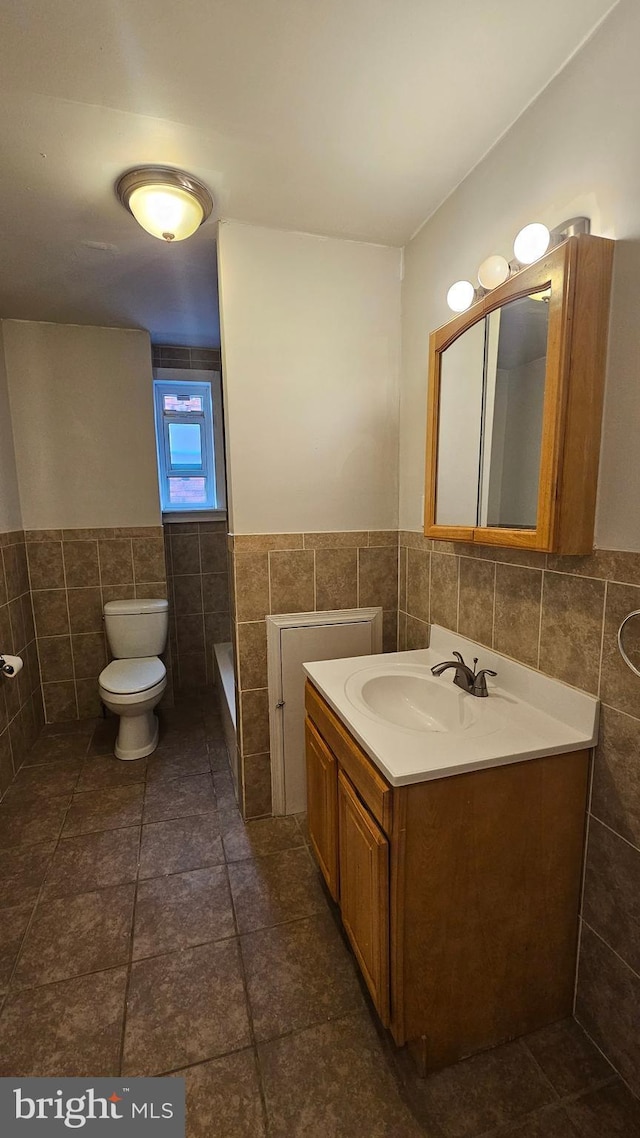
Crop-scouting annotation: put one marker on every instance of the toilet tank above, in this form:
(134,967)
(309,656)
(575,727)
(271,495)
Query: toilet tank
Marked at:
(136,628)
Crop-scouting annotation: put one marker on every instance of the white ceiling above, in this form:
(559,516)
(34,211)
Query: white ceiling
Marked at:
(352,118)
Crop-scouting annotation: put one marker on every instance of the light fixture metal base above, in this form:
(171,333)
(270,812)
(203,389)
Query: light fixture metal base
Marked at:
(163,175)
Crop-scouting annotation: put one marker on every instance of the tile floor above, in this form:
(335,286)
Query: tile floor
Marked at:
(145,929)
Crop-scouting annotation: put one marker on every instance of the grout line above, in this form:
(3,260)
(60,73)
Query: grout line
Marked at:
(611,949)
(611,830)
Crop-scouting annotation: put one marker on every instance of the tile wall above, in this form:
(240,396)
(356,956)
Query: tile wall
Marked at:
(21,713)
(196,557)
(561,615)
(166,355)
(72,574)
(281,573)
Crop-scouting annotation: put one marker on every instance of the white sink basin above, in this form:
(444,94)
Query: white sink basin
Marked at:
(410,697)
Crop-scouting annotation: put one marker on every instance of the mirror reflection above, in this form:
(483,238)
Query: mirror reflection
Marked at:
(492,381)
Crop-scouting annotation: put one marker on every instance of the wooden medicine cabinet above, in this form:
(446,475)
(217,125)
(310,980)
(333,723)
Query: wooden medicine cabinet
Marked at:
(516,387)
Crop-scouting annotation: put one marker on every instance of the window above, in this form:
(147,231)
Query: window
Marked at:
(189,443)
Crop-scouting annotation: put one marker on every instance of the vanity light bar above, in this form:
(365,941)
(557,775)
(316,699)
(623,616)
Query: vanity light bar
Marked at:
(530,244)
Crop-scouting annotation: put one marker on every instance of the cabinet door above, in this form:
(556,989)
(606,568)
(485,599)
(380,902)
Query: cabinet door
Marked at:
(322,806)
(364,892)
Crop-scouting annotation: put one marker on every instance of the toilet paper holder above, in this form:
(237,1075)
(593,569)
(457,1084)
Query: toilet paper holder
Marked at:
(6,669)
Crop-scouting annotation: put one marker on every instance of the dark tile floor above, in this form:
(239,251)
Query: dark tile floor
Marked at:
(145,929)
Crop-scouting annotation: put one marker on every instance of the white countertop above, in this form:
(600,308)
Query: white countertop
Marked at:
(527,714)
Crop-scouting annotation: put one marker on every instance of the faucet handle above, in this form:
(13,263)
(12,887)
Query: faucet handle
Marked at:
(458,656)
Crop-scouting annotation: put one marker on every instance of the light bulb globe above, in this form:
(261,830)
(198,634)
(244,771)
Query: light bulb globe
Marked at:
(531,243)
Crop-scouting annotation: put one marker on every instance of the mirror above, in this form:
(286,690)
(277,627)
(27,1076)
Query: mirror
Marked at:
(514,379)
(492,383)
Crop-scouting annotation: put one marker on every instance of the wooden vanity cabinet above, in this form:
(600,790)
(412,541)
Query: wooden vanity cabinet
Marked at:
(459,895)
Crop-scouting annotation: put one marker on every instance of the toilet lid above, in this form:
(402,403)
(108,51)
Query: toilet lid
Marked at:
(125,677)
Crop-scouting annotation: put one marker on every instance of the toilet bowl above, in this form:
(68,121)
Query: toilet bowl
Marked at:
(134,682)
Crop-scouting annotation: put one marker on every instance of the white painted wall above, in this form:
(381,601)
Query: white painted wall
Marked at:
(10,513)
(311,346)
(82,412)
(573,152)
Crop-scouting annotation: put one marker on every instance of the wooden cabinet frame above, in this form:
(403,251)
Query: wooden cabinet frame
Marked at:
(578,272)
(461,897)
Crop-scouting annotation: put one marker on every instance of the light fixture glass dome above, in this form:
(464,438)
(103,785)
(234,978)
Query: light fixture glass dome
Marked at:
(531,243)
(169,204)
(493,271)
(461,296)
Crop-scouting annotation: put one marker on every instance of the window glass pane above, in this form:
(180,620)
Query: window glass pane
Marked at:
(185,444)
(182,403)
(187,492)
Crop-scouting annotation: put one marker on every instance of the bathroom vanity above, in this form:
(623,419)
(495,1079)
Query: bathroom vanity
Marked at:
(450,832)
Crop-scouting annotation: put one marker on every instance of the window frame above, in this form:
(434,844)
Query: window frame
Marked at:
(165,382)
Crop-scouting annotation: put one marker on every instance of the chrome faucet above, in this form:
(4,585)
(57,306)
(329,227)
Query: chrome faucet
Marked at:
(465,677)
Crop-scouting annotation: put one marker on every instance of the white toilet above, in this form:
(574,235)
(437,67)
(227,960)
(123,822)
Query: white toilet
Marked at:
(133,683)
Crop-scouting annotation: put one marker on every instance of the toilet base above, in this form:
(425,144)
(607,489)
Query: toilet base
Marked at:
(137,735)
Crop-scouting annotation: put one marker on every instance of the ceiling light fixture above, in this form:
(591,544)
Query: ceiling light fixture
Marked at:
(493,271)
(170,204)
(461,296)
(531,243)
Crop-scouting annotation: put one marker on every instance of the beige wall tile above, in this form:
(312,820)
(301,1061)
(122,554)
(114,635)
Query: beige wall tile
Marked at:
(185,553)
(619,687)
(117,593)
(187,592)
(252,655)
(336,579)
(444,590)
(56,662)
(80,563)
(414,540)
(148,559)
(89,655)
(263,542)
(46,570)
(89,706)
(402,632)
(85,610)
(190,633)
(251,586)
(517,613)
(416,634)
(571,631)
(257,786)
(60,701)
(50,612)
(417,584)
(611,904)
(475,609)
(215,592)
(615,798)
(607,1002)
(378,577)
(383,537)
(292,581)
(213,552)
(346,539)
(254,719)
(116,562)
(390,631)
